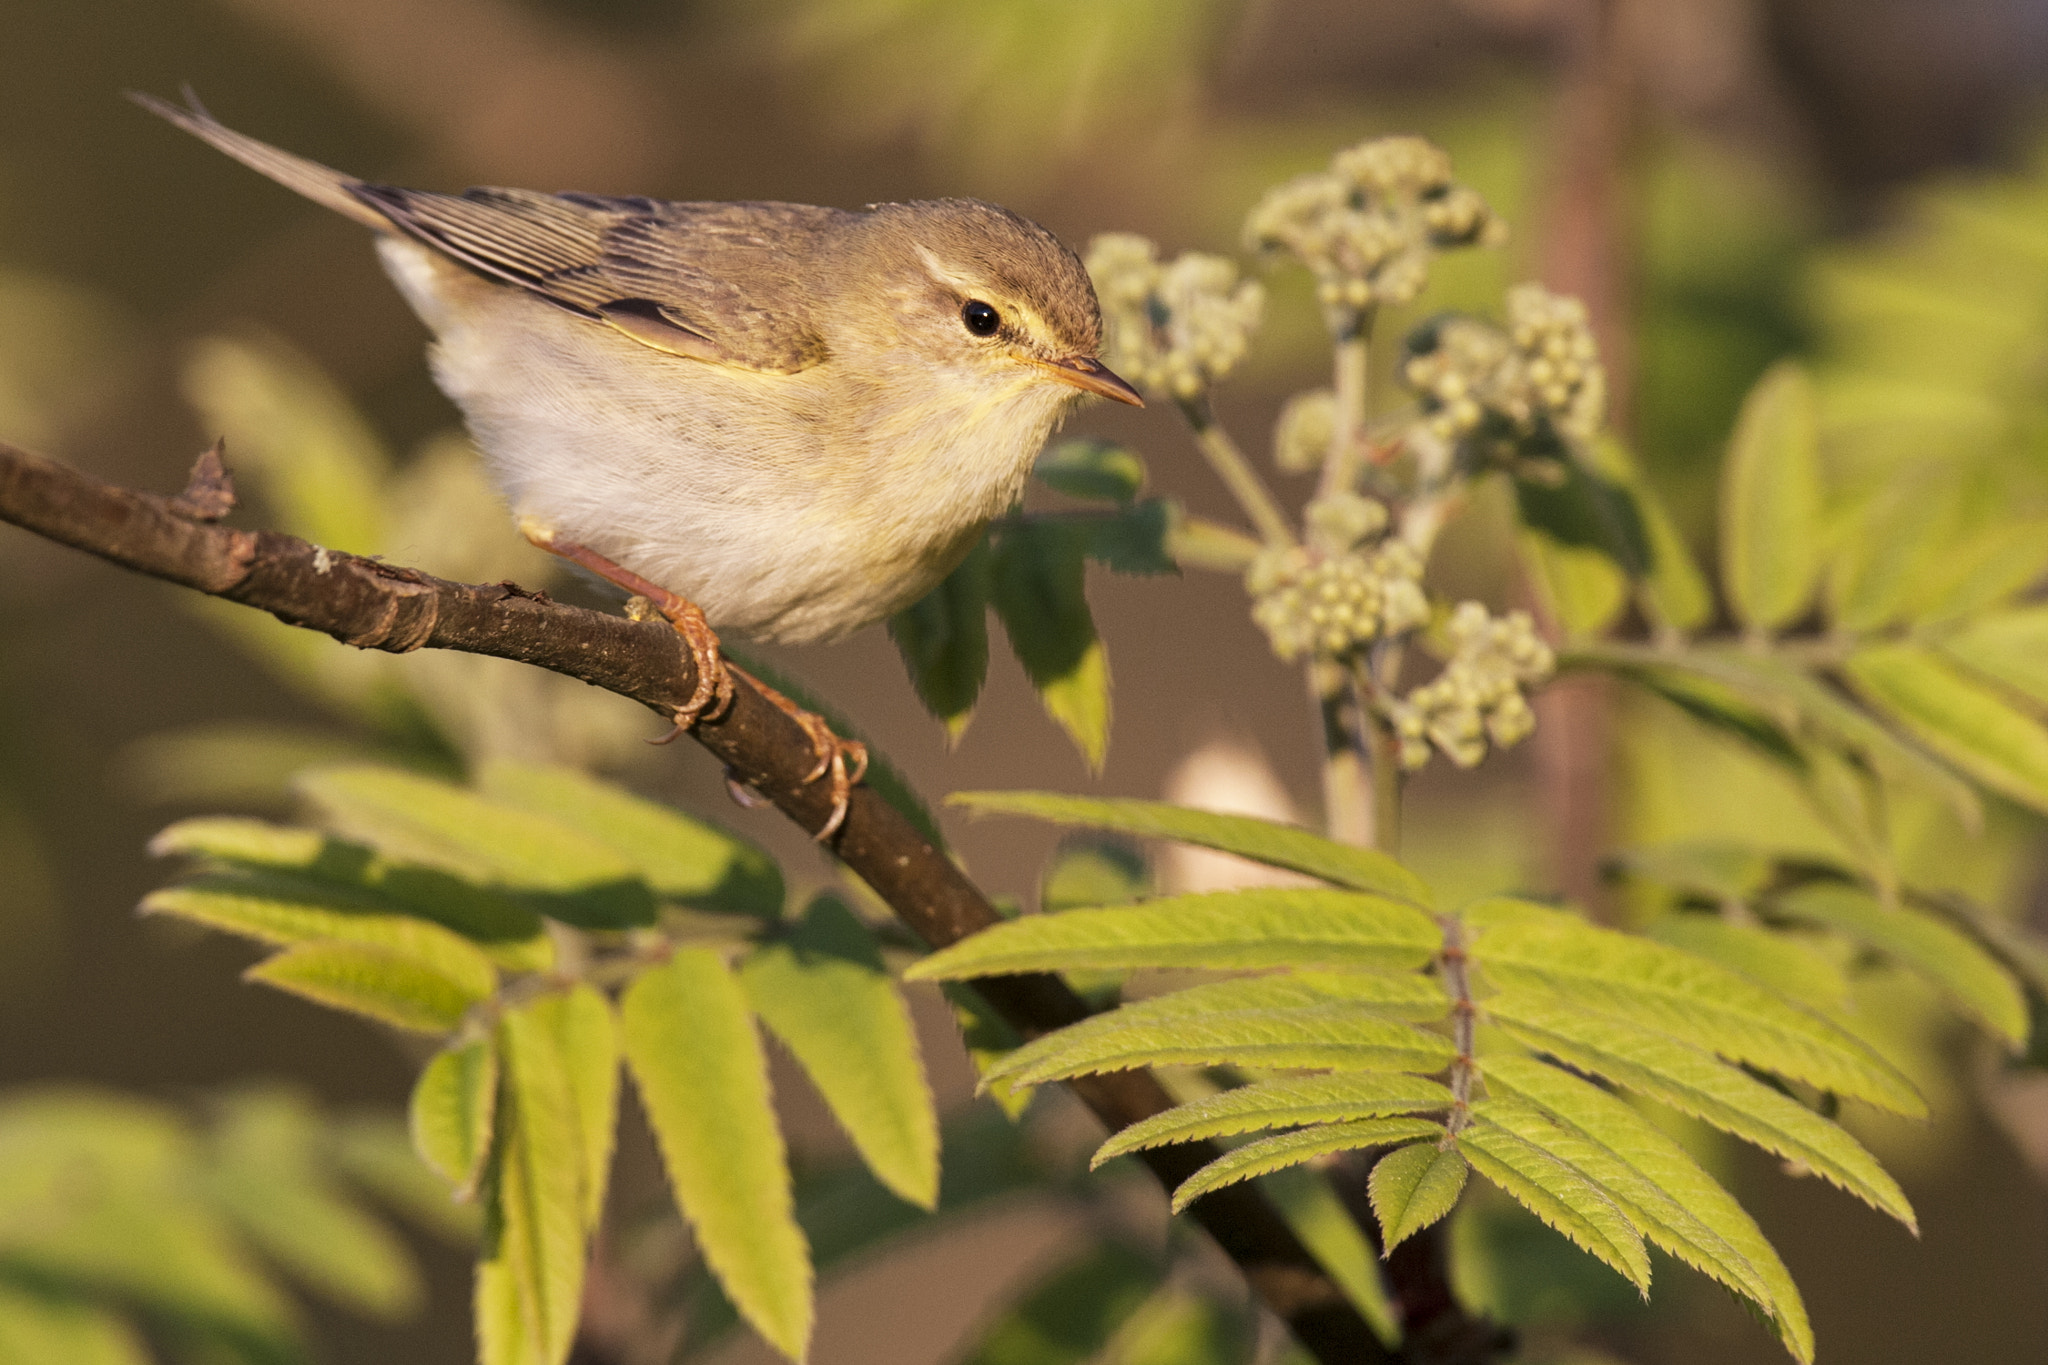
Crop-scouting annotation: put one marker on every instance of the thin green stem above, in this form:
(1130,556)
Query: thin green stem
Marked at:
(1236,472)
(1348,812)
(1383,750)
(1352,372)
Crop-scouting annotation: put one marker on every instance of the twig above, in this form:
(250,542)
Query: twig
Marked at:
(1236,472)
(374,605)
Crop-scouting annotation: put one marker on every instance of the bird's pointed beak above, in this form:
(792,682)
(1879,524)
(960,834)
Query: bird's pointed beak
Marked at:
(1092,376)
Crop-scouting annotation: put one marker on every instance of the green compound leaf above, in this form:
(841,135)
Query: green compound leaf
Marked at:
(36,1329)
(943,638)
(1560,1197)
(823,990)
(1137,540)
(1092,470)
(1662,1189)
(586,1036)
(1948,958)
(1280,1104)
(268,1173)
(1291,1149)
(551,866)
(1072,1315)
(1037,583)
(530,1272)
(1967,723)
(703,1080)
(318,872)
(1694,1083)
(1322,1031)
(1309,1204)
(2009,647)
(1089,872)
(375,982)
(1653,986)
(1224,930)
(287,908)
(453,1112)
(1262,841)
(681,857)
(1772,958)
(1771,501)
(1413,1187)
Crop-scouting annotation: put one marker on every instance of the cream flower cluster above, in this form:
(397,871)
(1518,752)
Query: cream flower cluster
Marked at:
(1338,592)
(1545,365)
(1478,695)
(1302,436)
(1173,328)
(1369,225)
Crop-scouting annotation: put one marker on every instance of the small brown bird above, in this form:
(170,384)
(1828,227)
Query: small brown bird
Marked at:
(771,418)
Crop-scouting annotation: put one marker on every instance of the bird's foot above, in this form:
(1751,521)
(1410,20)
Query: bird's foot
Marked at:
(843,761)
(713,692)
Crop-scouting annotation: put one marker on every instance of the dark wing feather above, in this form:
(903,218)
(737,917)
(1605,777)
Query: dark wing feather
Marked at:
(717,282)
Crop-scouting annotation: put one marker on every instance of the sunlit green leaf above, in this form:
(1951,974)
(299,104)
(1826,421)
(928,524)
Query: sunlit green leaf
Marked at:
(681,857)
(1198,543)
(1658,987)
(1175,1327)
(1692,1082)
(1675,1203)
(1718,871)
(703,1081)
(822,988)
(943,638)
(1582,588)
(1291,1149)
(530,1275)
(1560,1196)
(988,1038)
(1921,943)
(2009,647)
(1308,1203)
(376,982)
(1259,927)
(1098,471)
(1965,722)
(586,1036)
(453,1111)
(1779,961)
(375,1150)
(1070,1315)
(1262,841)
(1413,1187)
(1771,501)
(1281,1104)
(1037,586)
(56,1329)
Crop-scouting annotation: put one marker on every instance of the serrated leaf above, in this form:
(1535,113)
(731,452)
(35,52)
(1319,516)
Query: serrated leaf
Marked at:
(1413,1187)
(1070,1315)
(1965,722)
(1093,872)
(703,1080)
(287,908)
(1582,588)
(680,856)
(1560,1197)
(39,1329)
(1262,841)
(943,638)
(2009,647)
(1408,997)
(312,869)
(1037,579)
(1719,871)
(987,1038)
(586,1036)
(1683,1210)
(1657,987)
(1970,976)
(1771,501)
(1291,1149)
(453,1112)
(1309,1204)
(375,982)
(557,869)
(1224,930)
(1280,1104)
(1093,470)
(267,1174)
(1275,1022)
(530,1273)
(823,990)
(1677,590)
(1138,540)
(1694,1083)
(1776,960)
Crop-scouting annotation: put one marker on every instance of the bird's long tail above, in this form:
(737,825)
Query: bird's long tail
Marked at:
(321,184)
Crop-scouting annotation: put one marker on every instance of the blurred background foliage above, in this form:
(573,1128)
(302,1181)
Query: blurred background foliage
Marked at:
(1859,183)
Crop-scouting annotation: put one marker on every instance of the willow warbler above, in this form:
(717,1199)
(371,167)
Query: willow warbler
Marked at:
(797,419)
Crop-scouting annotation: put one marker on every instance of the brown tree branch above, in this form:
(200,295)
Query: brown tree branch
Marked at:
(373,605)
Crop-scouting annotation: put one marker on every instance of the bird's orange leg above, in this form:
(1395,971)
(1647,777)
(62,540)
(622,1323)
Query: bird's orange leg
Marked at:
(844,760)
(713,692)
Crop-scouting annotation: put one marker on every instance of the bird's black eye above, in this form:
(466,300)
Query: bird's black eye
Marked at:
(981,319)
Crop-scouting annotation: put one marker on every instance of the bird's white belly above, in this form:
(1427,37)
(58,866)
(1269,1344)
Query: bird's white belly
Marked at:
(712,481)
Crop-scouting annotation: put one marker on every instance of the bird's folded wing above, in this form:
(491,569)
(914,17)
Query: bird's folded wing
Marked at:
(714,282)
